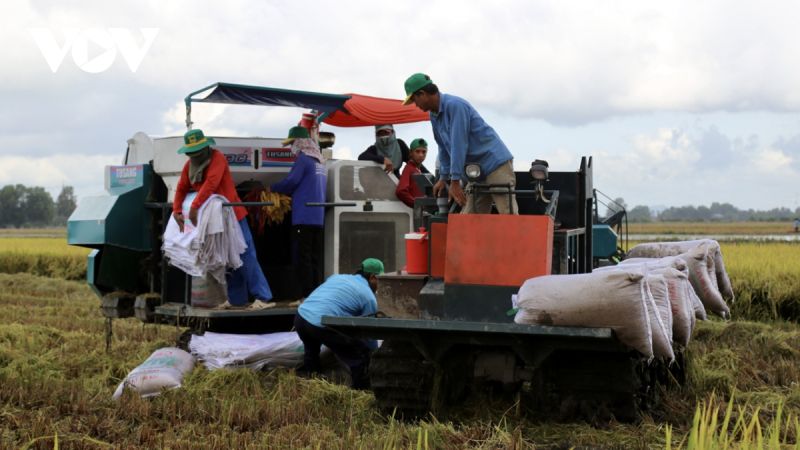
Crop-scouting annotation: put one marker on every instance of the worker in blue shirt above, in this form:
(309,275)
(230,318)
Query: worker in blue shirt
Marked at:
(464,138)
(306,183)
(340,296)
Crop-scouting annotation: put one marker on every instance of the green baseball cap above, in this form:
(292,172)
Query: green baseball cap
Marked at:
(297,132)
(372,265)
(417,143)
(194,141)
(414,83)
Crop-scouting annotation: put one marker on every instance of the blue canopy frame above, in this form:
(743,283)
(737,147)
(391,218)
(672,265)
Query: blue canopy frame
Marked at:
(240,94)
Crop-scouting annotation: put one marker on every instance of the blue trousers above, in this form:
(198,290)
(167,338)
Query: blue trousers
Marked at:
(248,280)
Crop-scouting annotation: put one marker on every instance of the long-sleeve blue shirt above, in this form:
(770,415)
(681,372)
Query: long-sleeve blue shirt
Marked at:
(464,137)
(340,296)
(305,183)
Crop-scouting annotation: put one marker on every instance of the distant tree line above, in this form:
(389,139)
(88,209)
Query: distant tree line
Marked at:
(720,212)
(22,206)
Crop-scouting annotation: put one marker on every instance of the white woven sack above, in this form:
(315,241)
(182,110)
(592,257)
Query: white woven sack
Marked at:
(164,369)
(661,249)
(683,318)
(700,268)
(614,299)
(253,351)
(660,312)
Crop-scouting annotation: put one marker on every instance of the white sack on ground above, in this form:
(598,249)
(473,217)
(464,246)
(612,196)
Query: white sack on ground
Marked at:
(252,351)
(164,369)
(661,249)
(614,299)
(660,312)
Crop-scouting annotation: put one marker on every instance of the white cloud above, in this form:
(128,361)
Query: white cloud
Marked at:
(666,155)
(567,64)
(231,120)
(83,172)
(772,162)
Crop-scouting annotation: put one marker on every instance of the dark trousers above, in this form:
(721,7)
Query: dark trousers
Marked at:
(352,352)
(310,247)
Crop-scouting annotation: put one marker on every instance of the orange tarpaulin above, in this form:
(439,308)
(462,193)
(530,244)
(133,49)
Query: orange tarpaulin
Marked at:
(363,110)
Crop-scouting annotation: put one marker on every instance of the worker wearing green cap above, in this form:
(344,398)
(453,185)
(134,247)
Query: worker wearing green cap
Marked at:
(207,172)
(407,190)
(340,296)
(464,138)
(306,183)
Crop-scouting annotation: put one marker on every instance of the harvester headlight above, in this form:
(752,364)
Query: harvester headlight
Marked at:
(539,170)
(473,172)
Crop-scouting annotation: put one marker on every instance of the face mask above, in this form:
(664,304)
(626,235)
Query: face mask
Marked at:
(384,140)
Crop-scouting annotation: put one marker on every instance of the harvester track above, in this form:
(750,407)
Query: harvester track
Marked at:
(401,380)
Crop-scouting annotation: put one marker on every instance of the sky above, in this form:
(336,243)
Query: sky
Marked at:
(678,103)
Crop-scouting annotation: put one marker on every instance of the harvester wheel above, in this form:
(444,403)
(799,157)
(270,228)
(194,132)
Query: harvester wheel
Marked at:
(401,380)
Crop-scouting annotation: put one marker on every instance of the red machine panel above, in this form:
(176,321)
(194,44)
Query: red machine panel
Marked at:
(497,249)
(438,236)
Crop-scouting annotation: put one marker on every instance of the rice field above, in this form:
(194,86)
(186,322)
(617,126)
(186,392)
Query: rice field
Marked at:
(46,256)
(765,278)
(712,228)
(56,379)
(59,232)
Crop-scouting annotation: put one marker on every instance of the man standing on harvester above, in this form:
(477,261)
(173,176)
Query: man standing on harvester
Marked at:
(463,138)
(340,296)
(207,172)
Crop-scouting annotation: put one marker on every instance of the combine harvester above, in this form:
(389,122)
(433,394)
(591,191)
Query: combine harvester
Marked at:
(447,327)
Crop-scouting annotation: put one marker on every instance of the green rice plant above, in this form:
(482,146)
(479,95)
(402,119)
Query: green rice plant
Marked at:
(49,257)
(41,245)
(739,429)
(54,232)
(67,267)
(765,278)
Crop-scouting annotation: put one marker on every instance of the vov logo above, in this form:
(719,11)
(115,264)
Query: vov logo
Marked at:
(110,41)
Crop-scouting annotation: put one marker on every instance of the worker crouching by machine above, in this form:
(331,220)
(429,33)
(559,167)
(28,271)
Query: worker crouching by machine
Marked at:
(340,296)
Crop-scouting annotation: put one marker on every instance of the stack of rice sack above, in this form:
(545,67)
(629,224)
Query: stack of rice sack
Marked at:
(648,302)
(706,269)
